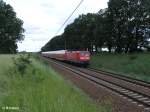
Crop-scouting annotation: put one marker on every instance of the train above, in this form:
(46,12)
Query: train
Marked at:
(75,57)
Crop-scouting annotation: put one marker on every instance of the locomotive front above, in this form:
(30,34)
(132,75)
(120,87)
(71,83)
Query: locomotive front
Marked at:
(84,57)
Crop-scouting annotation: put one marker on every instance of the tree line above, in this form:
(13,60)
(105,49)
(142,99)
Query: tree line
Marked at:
(123,27)
(11,30)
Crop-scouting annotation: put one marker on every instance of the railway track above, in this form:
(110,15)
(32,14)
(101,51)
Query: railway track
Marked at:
(125,78)
(134,90)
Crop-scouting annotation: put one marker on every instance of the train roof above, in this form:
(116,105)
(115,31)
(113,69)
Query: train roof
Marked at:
(61,51)
(54,52)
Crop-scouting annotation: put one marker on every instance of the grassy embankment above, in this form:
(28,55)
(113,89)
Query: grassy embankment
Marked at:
(40,89)
(132,65)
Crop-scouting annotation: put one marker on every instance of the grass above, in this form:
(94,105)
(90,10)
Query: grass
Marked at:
(132,65)
(40,89)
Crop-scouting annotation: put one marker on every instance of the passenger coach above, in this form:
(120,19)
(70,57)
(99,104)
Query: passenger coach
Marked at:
(79,57)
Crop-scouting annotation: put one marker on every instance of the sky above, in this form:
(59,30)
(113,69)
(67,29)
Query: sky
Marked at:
(43,18)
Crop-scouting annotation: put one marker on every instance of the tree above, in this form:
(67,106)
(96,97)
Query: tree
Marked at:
(104,30)
(80,34)
(10,29)
(56,43)
(129,16)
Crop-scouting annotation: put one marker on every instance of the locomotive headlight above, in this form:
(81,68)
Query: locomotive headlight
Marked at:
(82,58)
(85,58)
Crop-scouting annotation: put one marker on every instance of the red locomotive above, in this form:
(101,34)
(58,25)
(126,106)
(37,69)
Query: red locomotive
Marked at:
(78,57)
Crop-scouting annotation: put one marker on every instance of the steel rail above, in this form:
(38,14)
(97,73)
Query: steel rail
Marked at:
(125,78)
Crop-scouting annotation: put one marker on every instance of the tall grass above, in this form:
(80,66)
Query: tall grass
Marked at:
(132,65)
(5,64)
(41,90)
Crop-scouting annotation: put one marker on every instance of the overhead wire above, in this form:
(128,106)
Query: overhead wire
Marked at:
(69,17)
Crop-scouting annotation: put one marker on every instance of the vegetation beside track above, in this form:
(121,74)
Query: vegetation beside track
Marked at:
(40,89)
(135,65)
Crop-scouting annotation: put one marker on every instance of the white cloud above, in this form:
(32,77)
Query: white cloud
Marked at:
(42,18)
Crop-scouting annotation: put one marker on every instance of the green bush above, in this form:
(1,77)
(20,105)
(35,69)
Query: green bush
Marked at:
(21,63)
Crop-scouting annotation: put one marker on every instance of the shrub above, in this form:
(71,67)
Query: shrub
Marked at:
(21,63)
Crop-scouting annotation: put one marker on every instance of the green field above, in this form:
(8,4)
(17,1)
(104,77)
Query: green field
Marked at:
(132,65)
(40,89)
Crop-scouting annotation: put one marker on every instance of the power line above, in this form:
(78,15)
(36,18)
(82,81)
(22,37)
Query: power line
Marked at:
(69,17)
